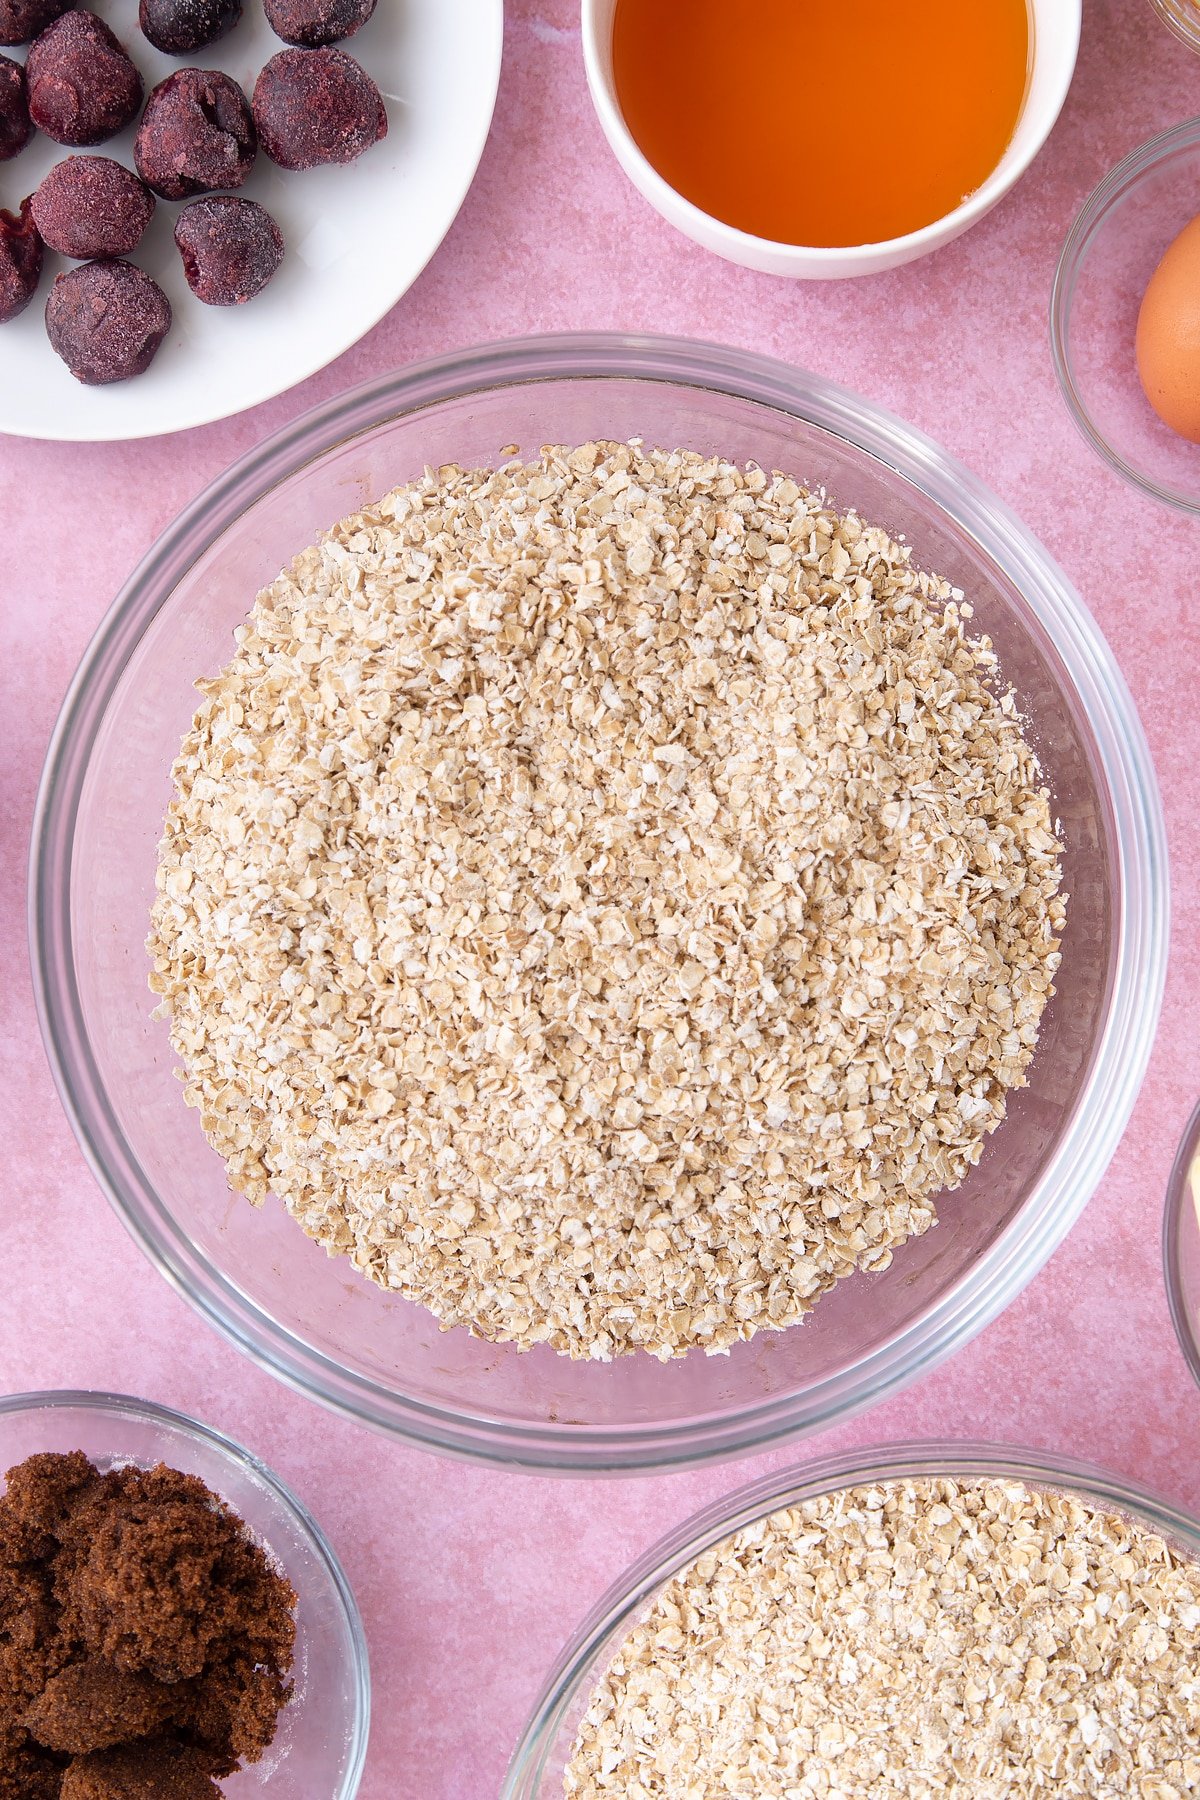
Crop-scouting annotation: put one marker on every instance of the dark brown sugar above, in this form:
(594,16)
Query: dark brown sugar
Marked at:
(30,1775)
(316,106)
(144,1773)
(196,134)
(145,1639)
(93,1706)
(82,86)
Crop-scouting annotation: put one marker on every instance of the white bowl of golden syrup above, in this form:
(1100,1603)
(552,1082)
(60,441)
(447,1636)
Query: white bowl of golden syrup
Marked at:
(819,143)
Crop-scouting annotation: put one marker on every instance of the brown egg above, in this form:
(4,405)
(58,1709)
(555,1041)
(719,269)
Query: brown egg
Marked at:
(1168,335)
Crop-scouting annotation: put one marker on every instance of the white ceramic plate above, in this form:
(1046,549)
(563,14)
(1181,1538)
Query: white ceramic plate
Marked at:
(357,236)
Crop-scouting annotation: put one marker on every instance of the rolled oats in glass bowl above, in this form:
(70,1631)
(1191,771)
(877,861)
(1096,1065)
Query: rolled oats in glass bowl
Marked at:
(387,818)
(932,1618)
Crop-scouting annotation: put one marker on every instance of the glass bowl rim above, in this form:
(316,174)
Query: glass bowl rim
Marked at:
(1187,34)
(150,1412)
(915,1459)
(1092,214)
(1179,1197)
(1138,850)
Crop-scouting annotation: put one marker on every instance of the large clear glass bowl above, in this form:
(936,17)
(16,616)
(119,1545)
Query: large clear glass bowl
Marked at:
(321,1740)
(536,1770)
(316,1322)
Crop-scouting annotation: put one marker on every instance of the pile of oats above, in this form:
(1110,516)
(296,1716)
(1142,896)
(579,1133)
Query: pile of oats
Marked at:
(607,898)
(914,1640)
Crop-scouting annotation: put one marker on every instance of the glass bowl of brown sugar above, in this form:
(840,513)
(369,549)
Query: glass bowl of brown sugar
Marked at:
(129,1511)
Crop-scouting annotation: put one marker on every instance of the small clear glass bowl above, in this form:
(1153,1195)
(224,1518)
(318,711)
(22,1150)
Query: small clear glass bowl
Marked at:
(321,1741)
(316,1322)
(537,1766)
(1183,17)
(1112,250)
(1181,1244)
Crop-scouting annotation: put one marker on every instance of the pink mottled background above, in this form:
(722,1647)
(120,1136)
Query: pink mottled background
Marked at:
(470,1580)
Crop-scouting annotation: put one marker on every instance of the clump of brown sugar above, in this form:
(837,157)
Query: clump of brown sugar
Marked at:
(145,1639)
(607,897)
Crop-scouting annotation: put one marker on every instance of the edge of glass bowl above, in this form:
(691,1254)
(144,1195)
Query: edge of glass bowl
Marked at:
(1139,847)
(1188,34)
(1125,175)
(1179,1197)
(634,1589)
(129,1406)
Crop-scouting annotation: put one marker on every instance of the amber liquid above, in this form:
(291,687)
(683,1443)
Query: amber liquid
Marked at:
(822,122)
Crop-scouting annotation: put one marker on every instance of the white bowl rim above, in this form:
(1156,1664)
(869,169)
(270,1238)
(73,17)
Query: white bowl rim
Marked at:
(730,241)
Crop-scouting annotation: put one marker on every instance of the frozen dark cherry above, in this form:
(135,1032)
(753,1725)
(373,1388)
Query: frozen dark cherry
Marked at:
(92,206)
(106,320)
(20,261)
(317,106)
(181,27)
(21,20)
(230,249)
(196,134)
(82,86)
(16,126)
(312,23)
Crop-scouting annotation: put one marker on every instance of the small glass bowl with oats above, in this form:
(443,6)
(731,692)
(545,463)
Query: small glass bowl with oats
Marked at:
(316,1322)
(657,1666)
(320,1742)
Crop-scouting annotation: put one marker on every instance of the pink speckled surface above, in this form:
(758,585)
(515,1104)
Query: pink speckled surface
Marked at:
(470,1580)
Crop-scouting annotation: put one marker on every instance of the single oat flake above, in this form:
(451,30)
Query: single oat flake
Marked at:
(607,898)
(912,1640)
